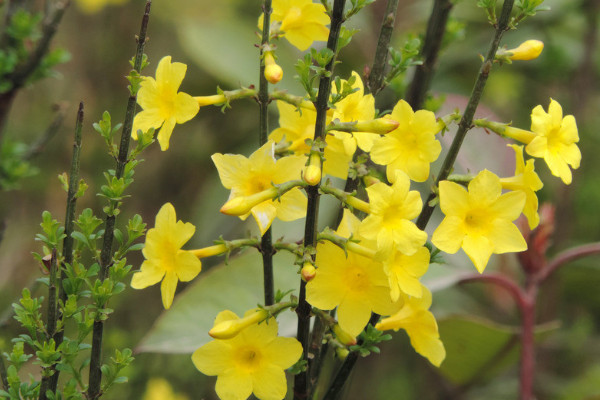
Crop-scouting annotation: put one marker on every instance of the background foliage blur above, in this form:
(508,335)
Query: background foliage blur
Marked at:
(216,39)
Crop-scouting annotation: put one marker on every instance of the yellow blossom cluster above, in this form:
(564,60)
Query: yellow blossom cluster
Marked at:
(374,261)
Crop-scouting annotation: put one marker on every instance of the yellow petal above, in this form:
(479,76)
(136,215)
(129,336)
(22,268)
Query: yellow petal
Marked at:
(292,205)
(506,237)
(188,265)
(479,249)
(164,135)
(169,75)
(213,358)
(150,273)
(167,289)
(269,382)
(449,235)
(234,384)
(454,199)
(232,168)
(185,108)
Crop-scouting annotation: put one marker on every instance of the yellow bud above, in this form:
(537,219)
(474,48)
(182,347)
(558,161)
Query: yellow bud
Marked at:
(210,251)
(369,180)
(379,125)
(308,272)
(312,174)
(242,205)
(273,72)
(343,337)
(342,353)
(528,50)
(231,328)
(210,100)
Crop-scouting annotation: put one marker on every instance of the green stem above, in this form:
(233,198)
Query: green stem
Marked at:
(436,27)
(375,83)
(301,389)
(51,326)
(69,222)
(266,245)
(467,118)
(95,376)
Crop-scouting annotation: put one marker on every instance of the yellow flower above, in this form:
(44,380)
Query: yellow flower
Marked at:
(391,209)
(159,389)
(251,362)
(412,146)
(480,220)
(528,181)
(420,325)
(94,6)
(249,176)
(298,126)
(164,258)
(555,140)
(355,284)
(163,105)
(404,272)
(355,107)
(301,21)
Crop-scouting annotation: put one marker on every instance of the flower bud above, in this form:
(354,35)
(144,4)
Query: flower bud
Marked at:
(242,205)
(273,72)
(231,328)
(380,125)
(343,337)
(528,50)
(308,272)
(210,100)
(342,353)
(312,174)
(210,251)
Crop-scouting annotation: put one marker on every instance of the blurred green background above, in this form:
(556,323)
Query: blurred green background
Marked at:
(216,40)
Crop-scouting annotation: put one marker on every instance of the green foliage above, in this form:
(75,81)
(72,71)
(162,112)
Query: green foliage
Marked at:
(357,5)
(368,341)
(525,9)
(401,60)
(13,163)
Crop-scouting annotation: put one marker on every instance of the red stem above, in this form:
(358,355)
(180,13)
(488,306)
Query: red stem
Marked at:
(566,256)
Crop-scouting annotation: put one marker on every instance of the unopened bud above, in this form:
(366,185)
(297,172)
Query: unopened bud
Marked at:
(343,337)
(528,50)
(342,353)
(242,205)
(312,174)
(231,328)
(210,100)
(308,272)
(379,125)
(273,72)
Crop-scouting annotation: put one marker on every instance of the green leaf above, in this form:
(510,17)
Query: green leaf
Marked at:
(479,349)
(236,287)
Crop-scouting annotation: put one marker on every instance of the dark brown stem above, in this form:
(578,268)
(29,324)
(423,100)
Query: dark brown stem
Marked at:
(436,27)
(377,73)
(95,377)
(51,326)
(467,118)
(301,388)
(527,370)
(266,246)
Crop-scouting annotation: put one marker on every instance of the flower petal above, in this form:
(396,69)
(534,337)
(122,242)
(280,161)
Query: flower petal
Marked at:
(479,249)
(167,288)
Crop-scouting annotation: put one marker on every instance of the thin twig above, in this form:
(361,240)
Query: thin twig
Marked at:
(95,376)
(301,389)
(38,146)
(377,72)
(266,245)
(436,27)
(51,326)
(467,118)
(69,222)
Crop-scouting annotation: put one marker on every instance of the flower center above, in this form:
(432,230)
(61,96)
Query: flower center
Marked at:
(249,358)
(357,279)
(477,222)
